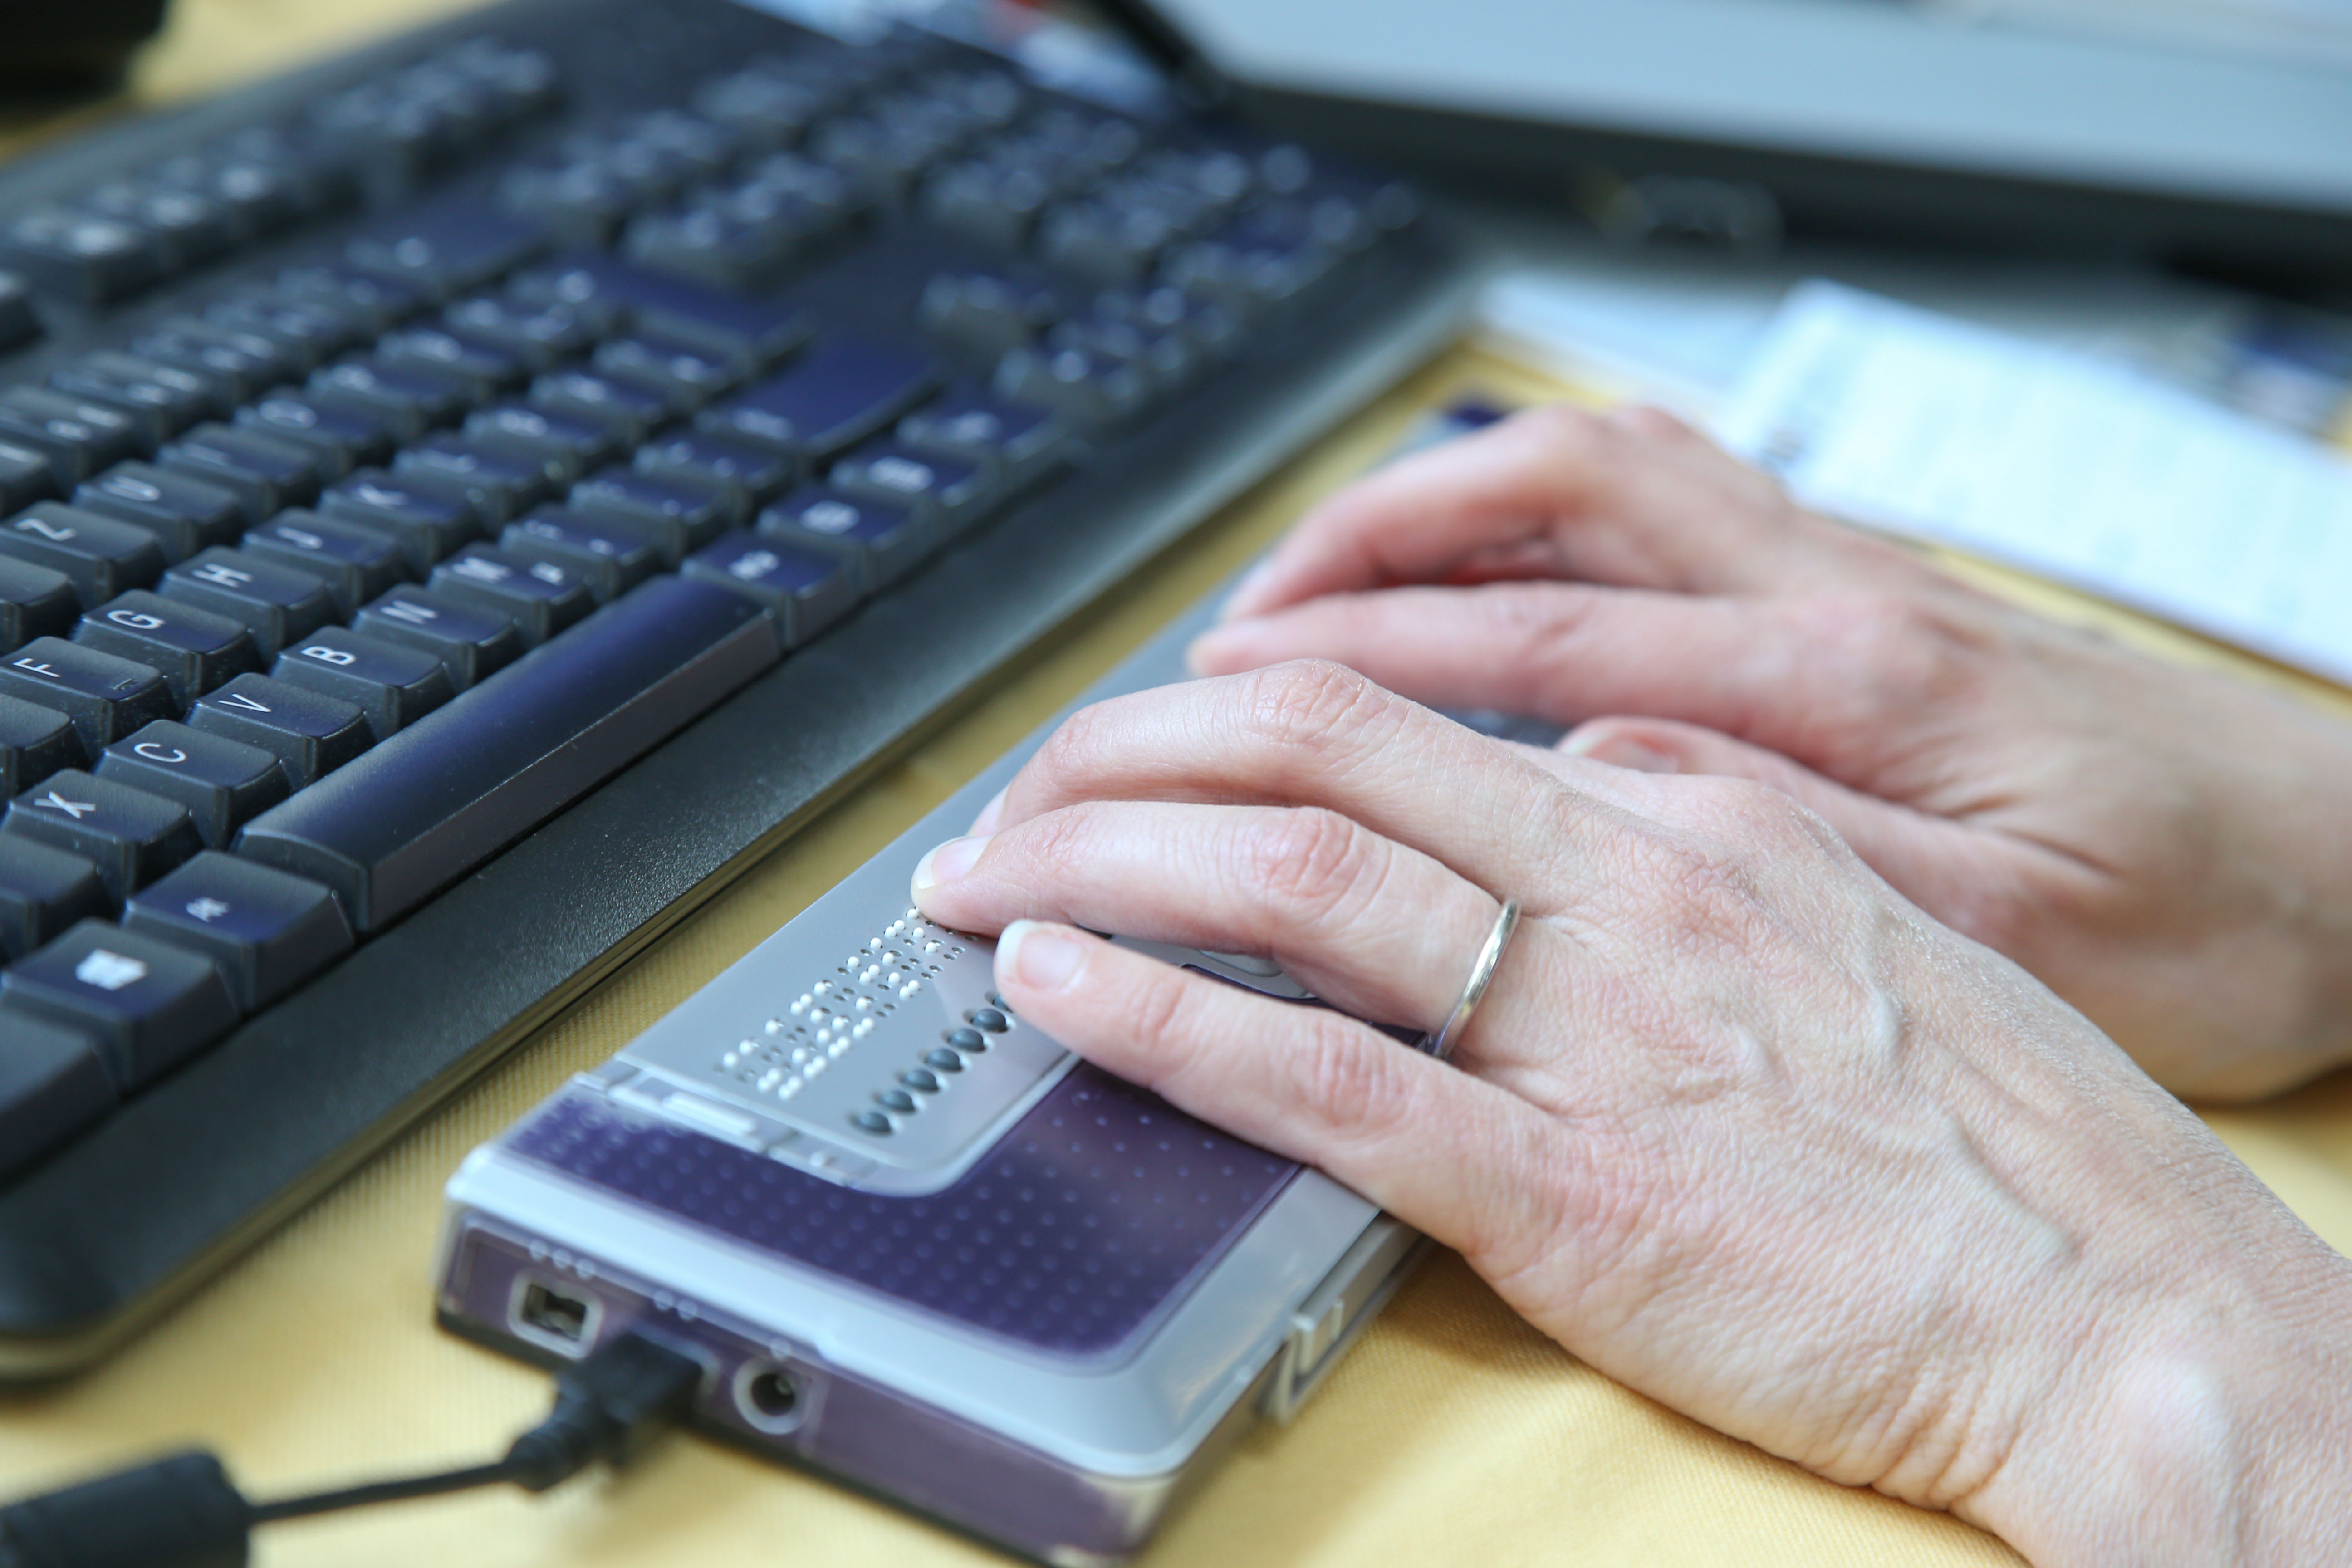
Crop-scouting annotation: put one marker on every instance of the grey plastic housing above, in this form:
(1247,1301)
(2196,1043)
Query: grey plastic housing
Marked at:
(1111,1291)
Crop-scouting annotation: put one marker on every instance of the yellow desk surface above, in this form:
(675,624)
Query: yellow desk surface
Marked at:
(1452,1434)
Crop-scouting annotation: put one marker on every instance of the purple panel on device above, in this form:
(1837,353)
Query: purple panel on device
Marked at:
(1074,1231)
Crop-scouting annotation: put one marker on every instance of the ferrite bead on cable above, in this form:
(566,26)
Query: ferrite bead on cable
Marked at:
(178,1512)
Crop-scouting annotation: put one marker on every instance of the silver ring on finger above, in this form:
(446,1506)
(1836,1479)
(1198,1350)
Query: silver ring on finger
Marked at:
(1482,973)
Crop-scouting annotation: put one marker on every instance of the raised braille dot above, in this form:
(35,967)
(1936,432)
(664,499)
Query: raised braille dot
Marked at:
(921,1080)
(987,1018)
(965,1039)
(945,1061)
(873,1122)
(897,1099)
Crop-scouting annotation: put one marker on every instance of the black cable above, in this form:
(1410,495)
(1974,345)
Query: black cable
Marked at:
(439,1485)
(183,1512)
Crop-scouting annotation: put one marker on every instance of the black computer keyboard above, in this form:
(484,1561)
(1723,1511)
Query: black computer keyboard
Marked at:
(458,503)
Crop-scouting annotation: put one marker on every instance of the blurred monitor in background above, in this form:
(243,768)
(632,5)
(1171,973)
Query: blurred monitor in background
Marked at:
(2213,133)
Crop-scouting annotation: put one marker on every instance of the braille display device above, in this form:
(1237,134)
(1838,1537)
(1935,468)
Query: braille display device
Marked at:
(460,503)
(914,1241)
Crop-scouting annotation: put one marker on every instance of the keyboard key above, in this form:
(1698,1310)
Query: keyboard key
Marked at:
(392,686)
(249,362)
(53,1085)
(949,494)
(131,838)
(566,445)
(448,249)
(426,517)
(540,597)
(265,473)
(438,799)
(470,643)
(34,602)
(715,243)
(338,436)
(309,734)
(184,514)
(101,556)
(409,397)
(356,562)
(496,483)
(880,540)
(105,695)
(987,314)
(80,256)
(43,891)
(804,589)
(80,438)
(357,307)
(194,649)
(537,337)
(25,476)
(682,517)
(1092,388)
(627,410)
(160,400)
(224,784)
(303,334)
(484,371)
(686,377)
(841,392)
(267,931)
(610,557)
(761,330)
(745,475)
(277,603)
(34,742)
(149,1004)
(18,323)
(1015,443)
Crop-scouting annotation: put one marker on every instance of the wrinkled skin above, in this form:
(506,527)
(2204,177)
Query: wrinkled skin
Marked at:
(2168,849)
(1737,1123)
(1754,1118)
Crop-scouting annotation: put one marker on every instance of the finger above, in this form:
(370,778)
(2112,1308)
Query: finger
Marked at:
(1795,675)
(1450,1155)
(1318,735)
(1944,866)
(1375,929)
(1614,501)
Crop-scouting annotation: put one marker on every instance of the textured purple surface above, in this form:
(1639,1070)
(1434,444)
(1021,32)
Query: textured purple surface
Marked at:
(1083,1222)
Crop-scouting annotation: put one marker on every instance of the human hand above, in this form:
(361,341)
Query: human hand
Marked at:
(2168,848)
(1736,1123)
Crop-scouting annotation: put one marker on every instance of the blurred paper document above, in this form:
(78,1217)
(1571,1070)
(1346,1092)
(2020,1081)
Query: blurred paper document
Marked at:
(2082,472)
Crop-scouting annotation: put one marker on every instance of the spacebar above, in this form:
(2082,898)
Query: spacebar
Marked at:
(393,827)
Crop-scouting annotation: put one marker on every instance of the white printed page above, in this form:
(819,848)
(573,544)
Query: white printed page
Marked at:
(2087,473)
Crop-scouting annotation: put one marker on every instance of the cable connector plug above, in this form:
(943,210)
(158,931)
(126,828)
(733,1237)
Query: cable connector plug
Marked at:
(608,1407)
(185,1512)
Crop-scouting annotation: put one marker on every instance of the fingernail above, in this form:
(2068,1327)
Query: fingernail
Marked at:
(1039,956)
(1624,751)
(985,823)
(946,863)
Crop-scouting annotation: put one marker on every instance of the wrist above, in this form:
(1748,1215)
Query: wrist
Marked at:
(2216,1429)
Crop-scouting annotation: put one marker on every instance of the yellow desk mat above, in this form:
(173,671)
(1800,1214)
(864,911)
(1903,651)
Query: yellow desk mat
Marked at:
(1452,1434)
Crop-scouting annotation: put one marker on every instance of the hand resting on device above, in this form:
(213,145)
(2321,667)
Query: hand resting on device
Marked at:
(2167,849)
(1736,1123)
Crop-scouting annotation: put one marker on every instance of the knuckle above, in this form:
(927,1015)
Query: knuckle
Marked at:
(1889,647)
(1313,863)
(1072,750)
(1311,705)
(1352,1079)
